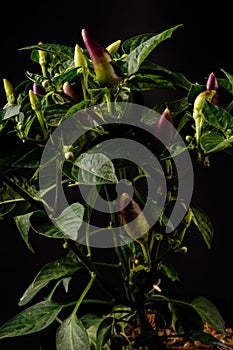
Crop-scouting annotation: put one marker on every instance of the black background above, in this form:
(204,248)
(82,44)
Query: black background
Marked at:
(202,45)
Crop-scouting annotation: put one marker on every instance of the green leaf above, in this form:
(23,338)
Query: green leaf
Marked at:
(30,160)
(72,335)
(66,225)
(217,116)
(70,220)
(213,142)
(11,111)
(23,224)
(148,82)
(140,53)
(170,271)
(209,313)
(42,224)
(185,319)
(230,78)
(208,339)
(203,223)
(31,320)
(54,270)
(62,51)
(94,169)
(104,332)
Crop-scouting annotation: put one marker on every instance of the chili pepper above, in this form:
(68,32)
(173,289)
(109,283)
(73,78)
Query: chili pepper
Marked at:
(112,48)
(197,110)
(43,61)
(70,91)
(79,57)
(212,84)
(36,106)
(164,130)
(135,224)
(10,91)
(101,60)
(37,89)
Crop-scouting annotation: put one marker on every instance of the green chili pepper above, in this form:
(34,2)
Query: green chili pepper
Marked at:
(10,91)
(36,106)
(80,59)
(197,111)
(112,48)
(43,61)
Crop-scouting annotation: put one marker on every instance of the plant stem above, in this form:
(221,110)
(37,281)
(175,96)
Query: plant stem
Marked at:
(87,288)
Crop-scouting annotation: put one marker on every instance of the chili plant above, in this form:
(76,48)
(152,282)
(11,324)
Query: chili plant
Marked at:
(94,167)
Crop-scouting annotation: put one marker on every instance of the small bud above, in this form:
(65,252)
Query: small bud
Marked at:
(69,155)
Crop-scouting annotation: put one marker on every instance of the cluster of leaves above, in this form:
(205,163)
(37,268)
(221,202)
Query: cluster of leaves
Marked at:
(63,90)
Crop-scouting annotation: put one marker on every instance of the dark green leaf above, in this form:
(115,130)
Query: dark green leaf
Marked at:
(31,320)
(104,332)
(170,271)
(208,339)
(217,116)
(54,270)
(203,223)
(214,141)
(72,335)
(23,224)
(41,224)
(148,82)
(70,220)
(62,51)
(11,111)
(185,319)
(135,58)
(30,160)
(209,313)
(93,169)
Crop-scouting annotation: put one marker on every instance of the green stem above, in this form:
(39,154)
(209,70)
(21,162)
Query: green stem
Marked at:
(88,286)
(87,263)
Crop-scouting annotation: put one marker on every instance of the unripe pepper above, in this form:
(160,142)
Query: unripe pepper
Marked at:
(36,106)
(212,84)
(112,48)
(135,224)
(164,130)
(101,60)
(10,91)
(197,110)
(43,61)
(80,59)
